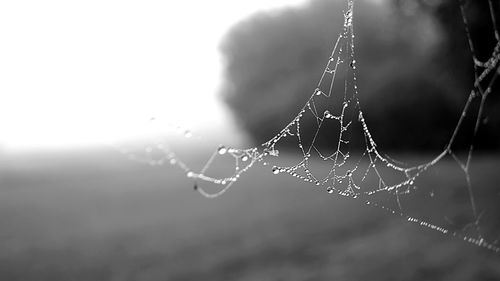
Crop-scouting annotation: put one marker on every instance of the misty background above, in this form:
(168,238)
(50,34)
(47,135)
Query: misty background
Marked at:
(415,69)
(87,212)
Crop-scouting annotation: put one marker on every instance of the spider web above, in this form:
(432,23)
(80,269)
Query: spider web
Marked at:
(359,171)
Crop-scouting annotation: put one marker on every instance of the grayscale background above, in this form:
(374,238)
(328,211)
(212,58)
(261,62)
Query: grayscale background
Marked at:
(78,80)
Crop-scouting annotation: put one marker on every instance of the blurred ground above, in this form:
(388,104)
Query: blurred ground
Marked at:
(97,216)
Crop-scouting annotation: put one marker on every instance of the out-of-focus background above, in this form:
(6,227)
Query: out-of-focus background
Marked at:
(79,79)
(414,65)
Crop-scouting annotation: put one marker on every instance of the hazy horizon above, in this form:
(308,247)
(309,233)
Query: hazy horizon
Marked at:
(86,74)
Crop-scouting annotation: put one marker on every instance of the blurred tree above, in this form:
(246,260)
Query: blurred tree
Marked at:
(454,54)
(414,65)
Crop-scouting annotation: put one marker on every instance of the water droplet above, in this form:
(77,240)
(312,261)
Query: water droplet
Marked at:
(348,18)
(276,170)
(327,114)
(222,150)
(244,158)
(353,64)
(173,161)
(274,152)
(318,92)
(190,174)
(329,189)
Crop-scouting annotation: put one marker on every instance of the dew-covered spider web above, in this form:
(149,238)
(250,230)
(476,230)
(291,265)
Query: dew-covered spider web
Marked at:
(359,170)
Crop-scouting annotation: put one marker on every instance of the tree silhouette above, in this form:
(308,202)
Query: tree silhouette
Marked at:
(414,65)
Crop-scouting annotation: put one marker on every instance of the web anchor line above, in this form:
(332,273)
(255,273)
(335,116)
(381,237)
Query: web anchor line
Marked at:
(346,177)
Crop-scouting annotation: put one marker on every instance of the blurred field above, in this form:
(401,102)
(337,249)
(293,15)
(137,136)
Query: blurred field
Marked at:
(97,216)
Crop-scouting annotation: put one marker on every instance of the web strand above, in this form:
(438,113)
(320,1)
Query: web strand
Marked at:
(346,175)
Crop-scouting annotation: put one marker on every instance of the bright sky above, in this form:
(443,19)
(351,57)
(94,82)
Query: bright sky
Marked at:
(76,73)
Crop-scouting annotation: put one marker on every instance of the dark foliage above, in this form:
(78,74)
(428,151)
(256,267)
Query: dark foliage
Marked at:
(414,65)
